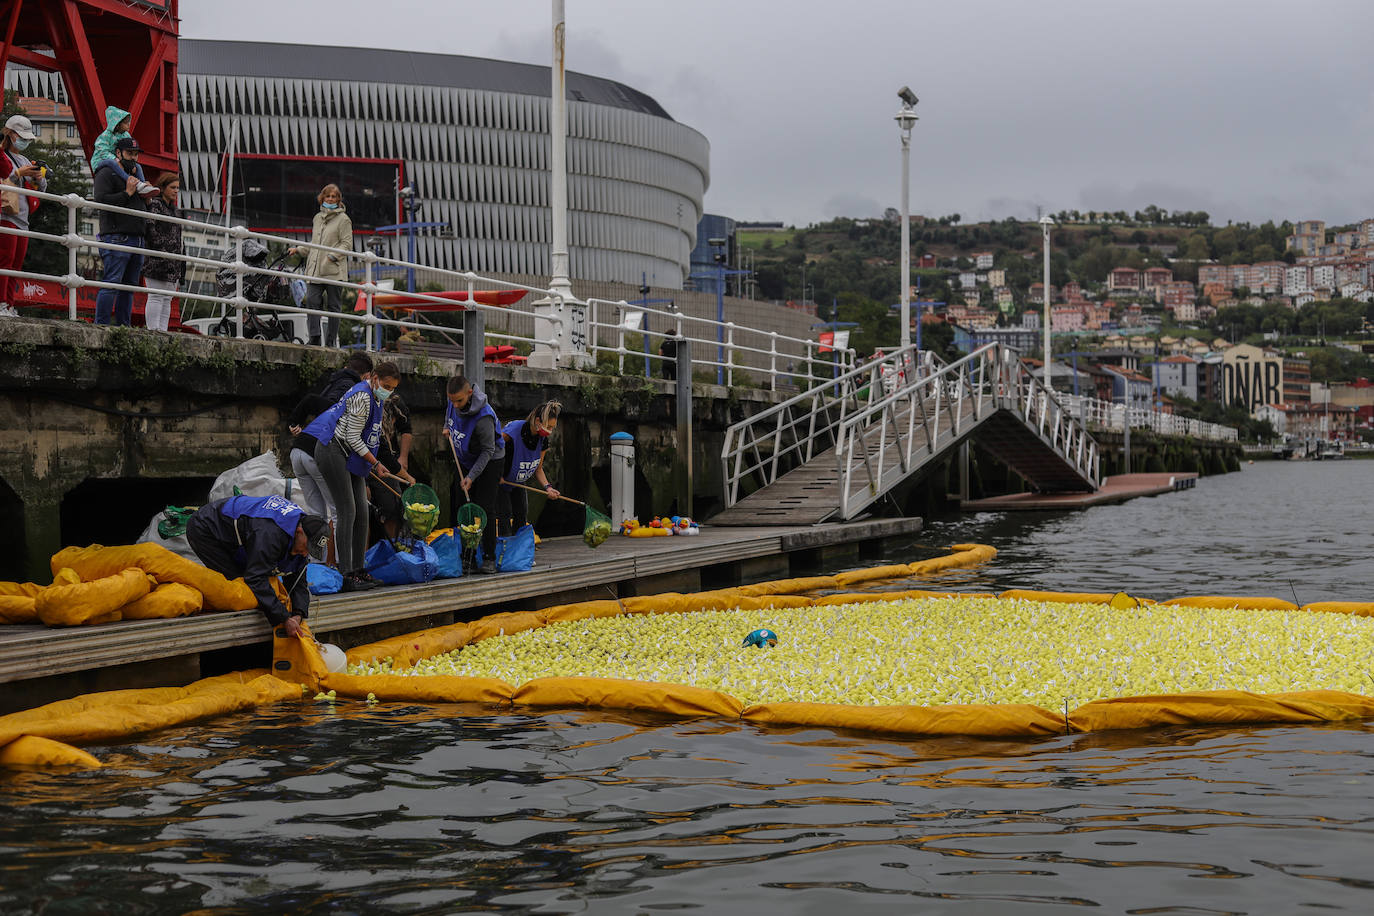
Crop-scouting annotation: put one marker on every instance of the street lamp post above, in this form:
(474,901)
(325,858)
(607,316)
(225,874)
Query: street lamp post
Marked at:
(1045,224)
(906,120)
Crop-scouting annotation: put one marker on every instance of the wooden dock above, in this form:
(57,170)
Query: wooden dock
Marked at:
(40,664)
(1115,489)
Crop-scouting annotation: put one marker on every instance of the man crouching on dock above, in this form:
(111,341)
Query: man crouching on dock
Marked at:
(259,538)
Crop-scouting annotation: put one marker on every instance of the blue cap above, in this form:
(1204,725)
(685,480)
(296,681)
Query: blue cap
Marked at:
(622,437)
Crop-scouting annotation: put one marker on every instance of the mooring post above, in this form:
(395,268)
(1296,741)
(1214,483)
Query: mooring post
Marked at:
(963,472)
(683,461)
(1126,435)
(475,347)
(622,477)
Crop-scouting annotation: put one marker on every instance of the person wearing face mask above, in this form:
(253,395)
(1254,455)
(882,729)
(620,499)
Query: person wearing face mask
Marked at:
(474,437)
(347,436)
(526,441)
(16,169)
(120,228)
(332,229)
(162,275)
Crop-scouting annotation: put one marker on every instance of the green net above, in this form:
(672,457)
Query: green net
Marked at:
(471,520)
(596,528)
(173,521)
(420,507)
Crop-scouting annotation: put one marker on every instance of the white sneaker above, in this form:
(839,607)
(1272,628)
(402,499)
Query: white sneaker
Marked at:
(7,311)
(146,190)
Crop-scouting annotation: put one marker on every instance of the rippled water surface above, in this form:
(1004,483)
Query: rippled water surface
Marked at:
(392,808)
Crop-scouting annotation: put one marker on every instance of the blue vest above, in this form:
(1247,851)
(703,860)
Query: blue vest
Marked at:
(459,428)
(524,461)
(323,426)
(279,509)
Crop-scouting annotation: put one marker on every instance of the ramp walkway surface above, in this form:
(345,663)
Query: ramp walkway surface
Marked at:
(834,450)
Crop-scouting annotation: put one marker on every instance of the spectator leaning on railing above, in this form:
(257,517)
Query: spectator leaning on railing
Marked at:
(16,169)
(120,228)
(332,229)
(163,275)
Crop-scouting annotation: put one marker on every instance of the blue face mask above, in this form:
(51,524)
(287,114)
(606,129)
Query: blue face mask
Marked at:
(383,393)
(20,143)
(329,205)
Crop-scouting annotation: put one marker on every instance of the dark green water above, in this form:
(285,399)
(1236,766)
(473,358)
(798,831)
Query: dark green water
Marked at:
(448,809)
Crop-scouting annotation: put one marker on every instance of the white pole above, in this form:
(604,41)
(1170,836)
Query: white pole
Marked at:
(1045,223)
(559,282)
(906,238)
(229,177)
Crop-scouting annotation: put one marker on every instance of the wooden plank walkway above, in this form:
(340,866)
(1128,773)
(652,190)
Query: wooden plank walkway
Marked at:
(1113,490)
(562,565)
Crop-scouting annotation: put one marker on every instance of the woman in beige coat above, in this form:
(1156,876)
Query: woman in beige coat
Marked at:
(332,229)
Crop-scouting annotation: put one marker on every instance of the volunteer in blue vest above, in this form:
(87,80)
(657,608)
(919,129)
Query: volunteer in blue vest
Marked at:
(526,441)
(347,435)
(261,538)
(475,436)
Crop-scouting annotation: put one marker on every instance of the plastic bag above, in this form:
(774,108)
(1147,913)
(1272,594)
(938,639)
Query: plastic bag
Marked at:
(516,553)
(393,567)
(173,522)
(258,476)
(448,552)
(322,579)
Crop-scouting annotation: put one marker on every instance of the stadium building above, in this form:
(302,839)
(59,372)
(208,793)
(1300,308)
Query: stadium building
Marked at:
(469,135)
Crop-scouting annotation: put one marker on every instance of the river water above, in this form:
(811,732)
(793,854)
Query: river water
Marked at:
(445,809)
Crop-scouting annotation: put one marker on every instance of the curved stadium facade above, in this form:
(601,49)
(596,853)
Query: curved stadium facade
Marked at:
(471,135)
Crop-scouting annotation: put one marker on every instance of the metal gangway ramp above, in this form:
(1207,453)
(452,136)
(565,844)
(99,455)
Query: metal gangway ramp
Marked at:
(831,451)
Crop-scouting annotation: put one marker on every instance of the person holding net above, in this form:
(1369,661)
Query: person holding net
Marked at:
(474,439)
(525,441)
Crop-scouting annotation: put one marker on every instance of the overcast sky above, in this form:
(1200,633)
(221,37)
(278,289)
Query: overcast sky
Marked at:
(1248,109)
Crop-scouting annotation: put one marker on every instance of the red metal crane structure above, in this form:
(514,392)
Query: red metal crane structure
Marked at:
(109,52)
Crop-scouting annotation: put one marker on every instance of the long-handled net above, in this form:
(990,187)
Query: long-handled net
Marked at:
(596,527)
(471,520)
(420,508)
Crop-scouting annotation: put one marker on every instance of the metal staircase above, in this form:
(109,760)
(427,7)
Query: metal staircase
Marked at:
(832,451)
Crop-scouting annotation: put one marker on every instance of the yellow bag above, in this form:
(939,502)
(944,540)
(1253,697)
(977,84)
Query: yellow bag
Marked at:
(170,600)
(16,602)
(221,594)
(90,602)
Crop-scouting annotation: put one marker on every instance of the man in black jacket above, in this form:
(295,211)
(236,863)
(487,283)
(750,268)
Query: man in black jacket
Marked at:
(119,228)
(260,538)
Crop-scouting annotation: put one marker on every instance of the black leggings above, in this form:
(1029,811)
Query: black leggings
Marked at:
(349,492)
(484,495)
(513,508)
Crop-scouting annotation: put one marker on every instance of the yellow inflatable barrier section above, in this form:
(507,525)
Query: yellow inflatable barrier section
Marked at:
(44,736)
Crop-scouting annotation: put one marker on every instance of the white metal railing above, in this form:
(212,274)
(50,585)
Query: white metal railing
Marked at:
(780,357)
(1109,415)
(724,346)
(234,237)
(880,444)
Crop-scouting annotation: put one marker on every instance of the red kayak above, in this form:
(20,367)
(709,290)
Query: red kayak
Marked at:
(414,303)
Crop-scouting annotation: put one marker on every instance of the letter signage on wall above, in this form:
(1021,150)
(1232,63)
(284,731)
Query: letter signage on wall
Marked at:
(1251,378)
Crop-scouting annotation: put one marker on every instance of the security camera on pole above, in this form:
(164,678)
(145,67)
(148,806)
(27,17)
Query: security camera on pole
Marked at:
(906,120)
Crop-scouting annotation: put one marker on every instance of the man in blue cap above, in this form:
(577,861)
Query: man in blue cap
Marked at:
(261,538)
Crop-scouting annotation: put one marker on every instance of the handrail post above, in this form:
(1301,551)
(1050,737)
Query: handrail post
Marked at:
(730,353)
(370,314)
(238,281)
(773,360)
(620,339)
(71,204)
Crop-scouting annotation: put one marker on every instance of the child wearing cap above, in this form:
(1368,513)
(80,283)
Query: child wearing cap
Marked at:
(117,122)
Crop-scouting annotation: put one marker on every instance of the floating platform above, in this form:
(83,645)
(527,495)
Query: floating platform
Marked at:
(40,664)
(1115,489)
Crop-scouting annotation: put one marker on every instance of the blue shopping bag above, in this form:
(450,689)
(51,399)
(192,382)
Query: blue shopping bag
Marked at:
(393,567)
(516,553)
(322,579)
(448,552)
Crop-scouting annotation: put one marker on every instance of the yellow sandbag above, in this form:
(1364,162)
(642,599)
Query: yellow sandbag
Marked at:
(170,600)
(581,610)
(297,659)
(97,601)
(221,594)
(17,609)
(508,623)
(404,651)
(1358,608)
(32,751)
(117,714)
(19,590)
(991,721)
(855,576)
(1220,707)
(432,689)
(1233,602)
(612,693)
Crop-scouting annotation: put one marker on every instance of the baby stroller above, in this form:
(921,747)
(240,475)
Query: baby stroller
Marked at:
(257,287)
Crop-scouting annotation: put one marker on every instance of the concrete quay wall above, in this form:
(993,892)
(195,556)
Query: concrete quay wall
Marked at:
(105,426)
